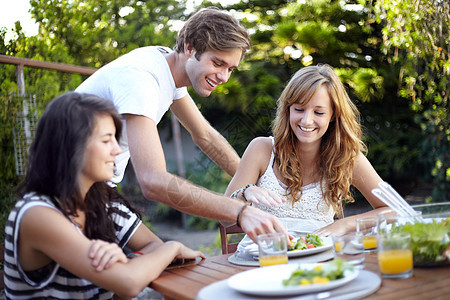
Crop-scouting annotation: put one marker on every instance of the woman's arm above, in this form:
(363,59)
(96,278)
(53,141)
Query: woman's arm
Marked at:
(144,240)
(253,164)
(104,254)
(365,179)
(57,239)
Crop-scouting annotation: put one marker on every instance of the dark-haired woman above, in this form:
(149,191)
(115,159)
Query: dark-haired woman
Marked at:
(64,238)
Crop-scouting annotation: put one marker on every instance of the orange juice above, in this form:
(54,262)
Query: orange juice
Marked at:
(395,261)
(338,246)
(370,242)
(273,260)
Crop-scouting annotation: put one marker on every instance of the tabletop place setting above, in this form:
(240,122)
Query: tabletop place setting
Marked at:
(401,238)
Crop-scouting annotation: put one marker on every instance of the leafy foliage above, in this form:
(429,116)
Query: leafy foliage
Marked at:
(294,34)
(97,32)
(8,179)
(416,37)
(371,46)
(428,241)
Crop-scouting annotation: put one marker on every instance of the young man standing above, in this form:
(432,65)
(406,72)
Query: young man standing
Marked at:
(146,82)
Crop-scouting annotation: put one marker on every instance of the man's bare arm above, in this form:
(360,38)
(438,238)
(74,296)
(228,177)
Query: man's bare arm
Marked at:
(211,142)
(157,184)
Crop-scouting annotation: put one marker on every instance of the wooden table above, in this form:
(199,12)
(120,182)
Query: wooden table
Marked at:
(184,283)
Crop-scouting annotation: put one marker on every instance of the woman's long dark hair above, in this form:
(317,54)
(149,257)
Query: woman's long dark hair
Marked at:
(56,159)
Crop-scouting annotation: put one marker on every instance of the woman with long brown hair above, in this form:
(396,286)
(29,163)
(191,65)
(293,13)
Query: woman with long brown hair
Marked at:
(303,173)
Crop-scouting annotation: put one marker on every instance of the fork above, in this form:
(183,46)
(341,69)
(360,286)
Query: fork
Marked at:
(329,294)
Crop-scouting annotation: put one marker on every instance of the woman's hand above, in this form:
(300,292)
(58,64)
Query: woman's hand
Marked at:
(188,253)
(339,227)
(104,254)
(258,195)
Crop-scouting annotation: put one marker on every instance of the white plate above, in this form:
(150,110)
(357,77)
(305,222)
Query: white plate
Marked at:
(327,244)
(268,281)
(357,245)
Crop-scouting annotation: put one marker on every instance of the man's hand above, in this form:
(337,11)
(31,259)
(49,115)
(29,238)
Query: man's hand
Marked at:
(255,222)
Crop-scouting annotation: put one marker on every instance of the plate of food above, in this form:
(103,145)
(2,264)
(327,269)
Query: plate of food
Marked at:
(293,279)
(303,245)
(309,244)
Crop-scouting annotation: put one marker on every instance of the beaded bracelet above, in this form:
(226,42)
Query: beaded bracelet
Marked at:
(244,189)
(235,193)
(135,254)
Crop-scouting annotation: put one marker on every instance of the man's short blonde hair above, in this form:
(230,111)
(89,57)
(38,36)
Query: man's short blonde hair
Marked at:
(213,29)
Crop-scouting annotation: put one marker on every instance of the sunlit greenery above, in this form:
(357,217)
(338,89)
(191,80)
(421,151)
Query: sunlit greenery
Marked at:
(392,55)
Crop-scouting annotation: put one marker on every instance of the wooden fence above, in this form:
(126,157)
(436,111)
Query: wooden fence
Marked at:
(21,62)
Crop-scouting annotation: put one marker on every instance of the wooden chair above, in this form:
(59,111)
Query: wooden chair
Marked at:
(227,246)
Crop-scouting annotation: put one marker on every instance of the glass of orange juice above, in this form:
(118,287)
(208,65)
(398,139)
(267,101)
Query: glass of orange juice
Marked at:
(347,247)
(272,249)
(366,229)
(395,257)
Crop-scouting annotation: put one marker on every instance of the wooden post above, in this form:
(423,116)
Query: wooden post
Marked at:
(20,80)
(179,156)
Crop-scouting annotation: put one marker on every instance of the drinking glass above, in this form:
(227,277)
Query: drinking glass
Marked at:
(348,248)
(395,256)
(366,229)
(272,249)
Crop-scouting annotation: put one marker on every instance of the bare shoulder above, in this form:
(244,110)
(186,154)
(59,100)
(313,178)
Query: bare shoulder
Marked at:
(364,172)
(32,218)
(263,144)
(361,162)
(258,153)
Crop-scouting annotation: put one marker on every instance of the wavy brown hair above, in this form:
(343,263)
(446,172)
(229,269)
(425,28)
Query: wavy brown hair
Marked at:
(339,146)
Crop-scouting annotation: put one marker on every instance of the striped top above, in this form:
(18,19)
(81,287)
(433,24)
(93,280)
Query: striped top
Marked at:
(53,281)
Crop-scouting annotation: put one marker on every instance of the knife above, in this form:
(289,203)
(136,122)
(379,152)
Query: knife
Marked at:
(328,294)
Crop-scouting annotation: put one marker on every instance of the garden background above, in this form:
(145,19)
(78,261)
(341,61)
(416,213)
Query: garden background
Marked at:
(392,55)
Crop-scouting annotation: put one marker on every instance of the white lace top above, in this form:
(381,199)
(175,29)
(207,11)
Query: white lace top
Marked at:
(309,213)
(310,206)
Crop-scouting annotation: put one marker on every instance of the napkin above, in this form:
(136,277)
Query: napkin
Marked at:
(251,249)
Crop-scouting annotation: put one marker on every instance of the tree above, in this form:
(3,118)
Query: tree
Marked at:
(97,32)
(288,35)
(416,36)
(87,33)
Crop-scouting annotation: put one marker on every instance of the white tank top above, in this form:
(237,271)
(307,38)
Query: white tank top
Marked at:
(310,206)
(309,213)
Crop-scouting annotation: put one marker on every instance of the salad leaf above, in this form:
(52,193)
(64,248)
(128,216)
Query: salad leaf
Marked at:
(428,240)
(331,270)
(314,239)
(299,245)
(310,239)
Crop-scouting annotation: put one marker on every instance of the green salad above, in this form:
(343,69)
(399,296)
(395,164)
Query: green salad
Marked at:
(429,241)
(320,274)
(310,241)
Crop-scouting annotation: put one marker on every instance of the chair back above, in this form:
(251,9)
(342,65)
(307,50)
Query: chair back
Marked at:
(227,246)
